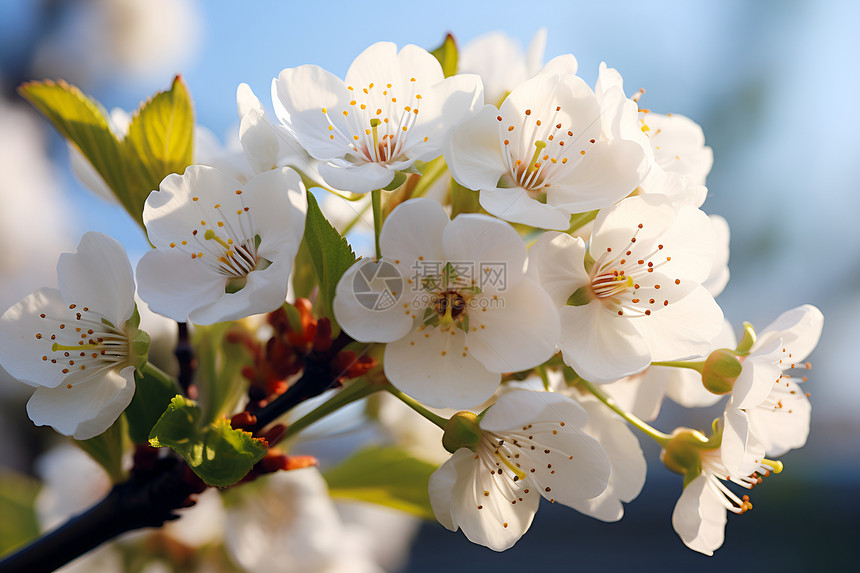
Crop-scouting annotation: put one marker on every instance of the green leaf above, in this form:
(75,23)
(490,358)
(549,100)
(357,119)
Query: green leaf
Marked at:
(82,121)
(152,394)
(330,253)
(463,200)
(219,454)
(387,476)
(159,140)
(107,448)
(447,56)
(17,498)
(304,278)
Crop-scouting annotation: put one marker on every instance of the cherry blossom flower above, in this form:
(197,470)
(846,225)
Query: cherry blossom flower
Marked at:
(699,517)
(545,153)
(79,344)
(223,250)
(530,444)
(466,311)
(634,295)
(768,406)
(393,109)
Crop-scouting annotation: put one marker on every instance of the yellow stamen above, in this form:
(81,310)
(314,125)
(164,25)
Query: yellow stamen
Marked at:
(539,145)
(56,347)
(374,123)
(517,471)
(210,235)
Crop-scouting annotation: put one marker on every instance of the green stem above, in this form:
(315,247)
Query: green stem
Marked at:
(376,201)
(652,433)
(581,220)
(355,220)
(697,366)
(359,389)
(149,369)
(436,419)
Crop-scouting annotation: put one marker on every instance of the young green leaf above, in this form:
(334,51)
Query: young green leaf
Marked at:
(82,121)
(463,200)
(159,140)
(219,454)
(17,501)
(387,476)
(447,56)
(153,391)
(330,253)
(107,448)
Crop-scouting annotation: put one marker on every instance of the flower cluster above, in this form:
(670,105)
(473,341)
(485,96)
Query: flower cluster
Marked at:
(543,275)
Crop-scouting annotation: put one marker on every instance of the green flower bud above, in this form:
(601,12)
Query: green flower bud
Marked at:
(722,368)
(462,431)
(683,453)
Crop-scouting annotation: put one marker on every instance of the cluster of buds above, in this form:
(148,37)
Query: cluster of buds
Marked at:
(297,338)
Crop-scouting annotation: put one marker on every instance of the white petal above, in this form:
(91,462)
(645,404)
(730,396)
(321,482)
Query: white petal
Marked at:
(699,517)
(641,394)
(733,448)
(357,178)
(246,101)
(719,275)
(691,243)
(441,489)
(514,330)
(87,174)
(173,287)
(369,303)
(600,346)
(685,387)
(499,523)
(799,328)
(435,367)
(265,291)
(786,428)
(482,240)
(277,204)
(98,275)
(628,471)
(473,151)
(299,96)
(259,140)
(757,377)
(614,227)
(515,205)
(413,232)
(87,408)
(559,261)
(608,172)
(564,64)
(443,106)
(26,337)
(682,329)
(517,408)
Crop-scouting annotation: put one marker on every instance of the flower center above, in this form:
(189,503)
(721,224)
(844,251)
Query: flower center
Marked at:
(715,472)
(536,151)
(623,281)
(83,340)
(231,251)
(376,124)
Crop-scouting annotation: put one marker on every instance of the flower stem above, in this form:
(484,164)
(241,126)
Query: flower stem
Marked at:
(359,389)
(652,433)
(435,418)
(376,200)
(697,366)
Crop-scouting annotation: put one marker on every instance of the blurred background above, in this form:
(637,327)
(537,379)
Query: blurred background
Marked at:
(772,83)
